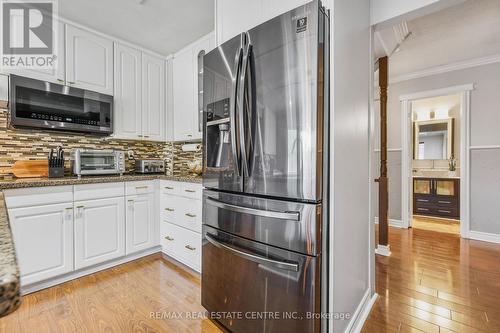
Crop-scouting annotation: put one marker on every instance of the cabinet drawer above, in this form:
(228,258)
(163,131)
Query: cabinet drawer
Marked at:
(99,191)
(139,187)
(182,244)
(446,212)
(447,202)
(183,212)
(191,190)
(35,196)
(170,187)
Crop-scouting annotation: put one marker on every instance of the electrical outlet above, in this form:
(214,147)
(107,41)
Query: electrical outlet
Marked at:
(130,154)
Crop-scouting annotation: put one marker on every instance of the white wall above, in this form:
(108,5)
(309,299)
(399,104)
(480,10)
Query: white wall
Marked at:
(350,156)
(484,138)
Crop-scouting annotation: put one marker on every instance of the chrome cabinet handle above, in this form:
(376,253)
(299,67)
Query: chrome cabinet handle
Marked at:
(169,238)
(444,202)
(169,188)
(71,82)
(422,200)
(444,211)
(190,191)
(189,247)
(294,216)
(422,209)
(190,215)
(141,187)
(169,209)
(60,80)
(253,257)
(189,135)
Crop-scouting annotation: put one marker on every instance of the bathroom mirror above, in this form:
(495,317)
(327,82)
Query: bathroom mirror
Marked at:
(433,139)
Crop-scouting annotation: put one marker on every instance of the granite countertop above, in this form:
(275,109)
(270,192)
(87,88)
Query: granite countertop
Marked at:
(39,182)
(10,298)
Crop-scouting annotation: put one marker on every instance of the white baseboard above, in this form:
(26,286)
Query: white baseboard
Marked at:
(392,222)
(86,271)
(361,313)
(383,250)
(484,236)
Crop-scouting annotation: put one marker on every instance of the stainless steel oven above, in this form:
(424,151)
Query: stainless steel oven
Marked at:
(39,104)
(97,162)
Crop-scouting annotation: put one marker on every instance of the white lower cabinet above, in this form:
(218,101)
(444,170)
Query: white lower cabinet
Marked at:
(182,244)
(43,239)
(140,219)
(180,219)
(99,231)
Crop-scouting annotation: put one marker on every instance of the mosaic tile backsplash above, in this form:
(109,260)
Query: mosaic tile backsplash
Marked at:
(26,144)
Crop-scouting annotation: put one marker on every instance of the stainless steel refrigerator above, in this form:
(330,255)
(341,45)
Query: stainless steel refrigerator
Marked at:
(265,173)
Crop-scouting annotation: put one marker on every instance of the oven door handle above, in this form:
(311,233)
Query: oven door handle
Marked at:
(294,216)
(253,257)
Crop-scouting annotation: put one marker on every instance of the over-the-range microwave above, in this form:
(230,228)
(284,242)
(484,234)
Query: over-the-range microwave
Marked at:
(39,104)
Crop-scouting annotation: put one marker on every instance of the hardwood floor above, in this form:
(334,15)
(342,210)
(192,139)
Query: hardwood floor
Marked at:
(436,282)
(120,299)
(434,224)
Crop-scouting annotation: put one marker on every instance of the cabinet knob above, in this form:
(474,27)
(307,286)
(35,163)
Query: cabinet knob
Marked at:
(169,238)
(189,247)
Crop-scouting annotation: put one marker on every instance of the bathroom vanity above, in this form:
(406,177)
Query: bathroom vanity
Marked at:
(439,197)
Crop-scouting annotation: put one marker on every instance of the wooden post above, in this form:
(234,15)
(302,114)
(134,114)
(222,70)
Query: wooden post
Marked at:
(383,191)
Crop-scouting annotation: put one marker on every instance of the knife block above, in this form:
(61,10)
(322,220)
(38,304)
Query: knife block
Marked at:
(56,172)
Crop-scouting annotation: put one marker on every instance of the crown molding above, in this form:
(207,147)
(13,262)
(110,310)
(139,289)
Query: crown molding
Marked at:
(446,68)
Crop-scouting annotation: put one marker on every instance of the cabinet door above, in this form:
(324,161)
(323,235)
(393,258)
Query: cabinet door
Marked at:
(99,231)
(273,8)
(422,186)
(153,98)
(141,229)
(55,75)
(127,92)
(446,187)
(89,61)
(199,50)
(43,238)
(236,16)
(184,95)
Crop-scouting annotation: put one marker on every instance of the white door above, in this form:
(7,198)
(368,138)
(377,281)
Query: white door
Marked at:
(127,92)
(43,239)
(89,61)
(184,95)
(55,75)
(99,231)
(153,98)
(140,224)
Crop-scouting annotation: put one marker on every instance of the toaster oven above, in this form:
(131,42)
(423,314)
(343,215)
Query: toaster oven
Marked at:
(98,162)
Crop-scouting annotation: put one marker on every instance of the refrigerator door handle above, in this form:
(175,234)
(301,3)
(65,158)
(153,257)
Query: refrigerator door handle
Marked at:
(253,257)
(293,215)
(232,109)
(245,91)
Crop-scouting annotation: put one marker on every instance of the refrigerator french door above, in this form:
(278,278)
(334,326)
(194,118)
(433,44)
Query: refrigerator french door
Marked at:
(265,103)
(264,96)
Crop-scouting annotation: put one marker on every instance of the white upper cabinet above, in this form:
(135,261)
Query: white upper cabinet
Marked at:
(153,97)
(127,92)
(183,78)
(56,75)
(236,16)
(89,60)
(187,88)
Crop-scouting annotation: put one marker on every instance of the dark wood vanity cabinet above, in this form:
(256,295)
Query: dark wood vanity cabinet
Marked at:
(438,197)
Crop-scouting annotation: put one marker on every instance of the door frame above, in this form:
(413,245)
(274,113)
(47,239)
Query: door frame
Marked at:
(406,156)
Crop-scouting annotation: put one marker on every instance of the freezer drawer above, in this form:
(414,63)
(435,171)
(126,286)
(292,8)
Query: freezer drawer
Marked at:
(267,288)
(285,224)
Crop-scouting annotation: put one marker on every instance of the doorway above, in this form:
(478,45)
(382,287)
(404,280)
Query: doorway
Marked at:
(435,160)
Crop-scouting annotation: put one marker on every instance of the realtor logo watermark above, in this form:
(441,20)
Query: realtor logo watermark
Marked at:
(28,34)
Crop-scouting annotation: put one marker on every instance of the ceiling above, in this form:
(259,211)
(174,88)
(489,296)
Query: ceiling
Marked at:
(466,31)
(163,26)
